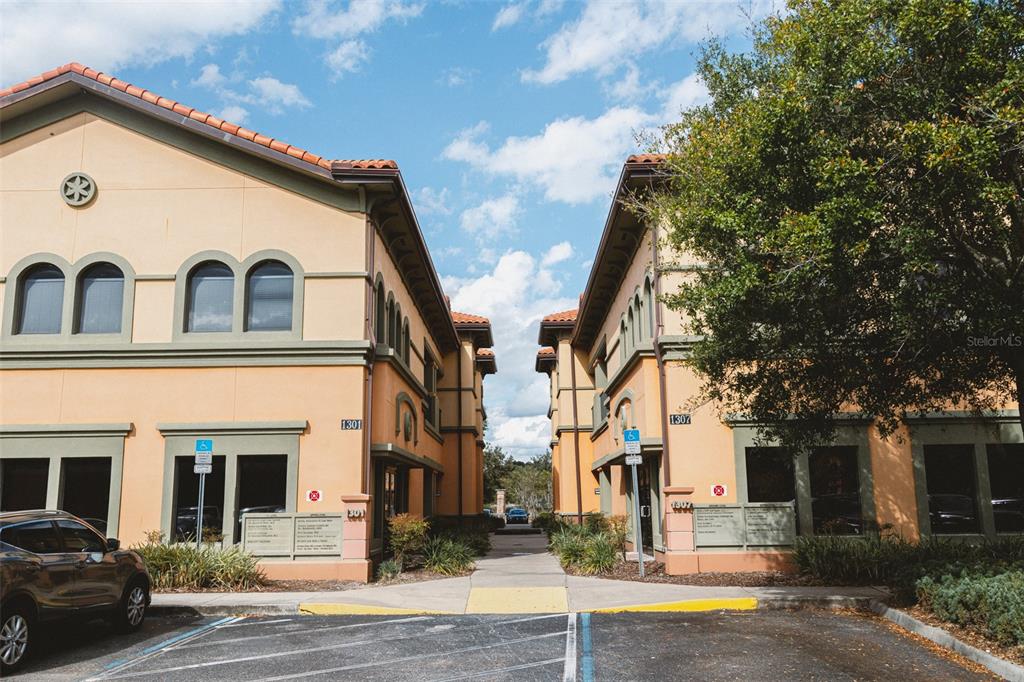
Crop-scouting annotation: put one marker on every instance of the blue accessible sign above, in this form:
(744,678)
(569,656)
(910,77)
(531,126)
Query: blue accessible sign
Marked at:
(204,446)
(631,439)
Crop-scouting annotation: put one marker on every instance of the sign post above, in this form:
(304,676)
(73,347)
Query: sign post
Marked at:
(631,440)
(203,466)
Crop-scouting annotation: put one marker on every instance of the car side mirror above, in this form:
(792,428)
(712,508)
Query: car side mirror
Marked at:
(113,544)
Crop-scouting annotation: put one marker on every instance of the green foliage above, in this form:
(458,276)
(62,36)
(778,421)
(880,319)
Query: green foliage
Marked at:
(528,484)
(407,535)
(546,521)
(899,564)
(447,556)
(477,539)
(855,195)
(991,604)
(596,522)
(388,570)
(186,567)
(587,549)
(497,465)
(618,530)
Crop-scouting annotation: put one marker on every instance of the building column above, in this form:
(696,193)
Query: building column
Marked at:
(680,548)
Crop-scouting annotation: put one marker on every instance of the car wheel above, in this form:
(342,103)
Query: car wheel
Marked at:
(15,636)
(131,610)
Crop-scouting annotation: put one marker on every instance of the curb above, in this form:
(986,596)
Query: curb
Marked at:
(344,609)
(999,666)
(684,606)
(223,610)
(821,603)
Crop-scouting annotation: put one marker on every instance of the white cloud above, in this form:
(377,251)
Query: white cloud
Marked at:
(509,15)
(574,160)
(275,95)
(335,21)
(429,201)
(35,37)
(491,218)
(234,114)
(515,295)
(684,94)
(348,57)
(557,253)
(456,76)
(609,34)
(210,77)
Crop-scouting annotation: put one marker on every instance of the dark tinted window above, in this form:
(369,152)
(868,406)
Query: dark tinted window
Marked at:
(770,475)
(835,490)
(1006,472)
(78,538)
(952,501)
(38,537)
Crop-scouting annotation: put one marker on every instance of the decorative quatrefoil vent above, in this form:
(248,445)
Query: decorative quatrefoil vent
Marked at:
(77,189)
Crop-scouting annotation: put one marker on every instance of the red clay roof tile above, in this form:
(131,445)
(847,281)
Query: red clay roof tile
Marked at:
(467,318)
(196,115)
(546,352)
(484,353)
(564,316)
(647,158)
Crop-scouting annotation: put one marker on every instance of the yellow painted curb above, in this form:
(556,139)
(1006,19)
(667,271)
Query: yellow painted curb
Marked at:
(687,605)
(338,609)
(518,600)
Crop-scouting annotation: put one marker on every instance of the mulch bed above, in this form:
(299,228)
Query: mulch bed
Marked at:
(1014,654)
(655,573)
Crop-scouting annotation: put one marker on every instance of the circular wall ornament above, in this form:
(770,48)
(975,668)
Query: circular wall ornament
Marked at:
(77,189)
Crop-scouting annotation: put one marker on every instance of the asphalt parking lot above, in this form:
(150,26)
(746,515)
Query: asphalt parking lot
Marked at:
(763,645)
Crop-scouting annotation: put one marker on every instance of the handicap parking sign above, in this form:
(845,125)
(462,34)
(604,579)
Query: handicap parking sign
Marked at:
(631,439)
(204,446)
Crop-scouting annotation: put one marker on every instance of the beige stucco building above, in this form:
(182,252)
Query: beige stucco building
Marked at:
(169,277)
(711,498)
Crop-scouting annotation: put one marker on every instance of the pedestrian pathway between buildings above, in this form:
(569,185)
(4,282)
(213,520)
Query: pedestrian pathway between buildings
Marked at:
(517,576)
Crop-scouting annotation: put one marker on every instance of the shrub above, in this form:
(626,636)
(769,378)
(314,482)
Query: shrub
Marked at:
(388,570)
(407,535)
(477,539)
(992,604)
(618,531)
(899,564)
(187,567)
(447,556)
(599,554)
(546,521)
(568,543)
(596,523)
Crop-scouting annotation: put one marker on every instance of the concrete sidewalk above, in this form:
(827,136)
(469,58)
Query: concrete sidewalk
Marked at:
(517,576)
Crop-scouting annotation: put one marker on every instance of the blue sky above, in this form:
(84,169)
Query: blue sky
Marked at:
(510,120)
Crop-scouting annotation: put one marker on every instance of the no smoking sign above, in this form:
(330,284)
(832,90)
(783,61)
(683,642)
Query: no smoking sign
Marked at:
(313,495)
(719,490)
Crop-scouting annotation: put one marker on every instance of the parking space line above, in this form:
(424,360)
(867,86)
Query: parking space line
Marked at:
(406,659)
(232,640)
(259,622)
(512,668)
(166,645)
(569,669)
(587,661)
(343,645)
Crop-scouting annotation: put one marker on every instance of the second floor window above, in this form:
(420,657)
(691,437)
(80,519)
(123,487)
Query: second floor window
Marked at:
(101,300)
(269,297)
(211,289)
(41,300)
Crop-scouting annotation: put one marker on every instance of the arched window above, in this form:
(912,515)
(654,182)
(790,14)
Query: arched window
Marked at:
(638,331)
(622,340)
(211,293)
(630,328)
(100,300)
(397,344)
(40,300)
(649,307)
(405,340)
(268,297)
(380,314)
(391,321)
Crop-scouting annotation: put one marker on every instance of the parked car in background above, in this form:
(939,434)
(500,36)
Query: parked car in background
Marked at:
(516,515)
(54,565)
(186,518)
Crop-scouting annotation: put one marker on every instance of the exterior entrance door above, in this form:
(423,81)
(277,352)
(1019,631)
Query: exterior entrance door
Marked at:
(643,478)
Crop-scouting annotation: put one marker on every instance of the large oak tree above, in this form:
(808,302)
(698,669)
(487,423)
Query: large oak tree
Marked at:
(854,193)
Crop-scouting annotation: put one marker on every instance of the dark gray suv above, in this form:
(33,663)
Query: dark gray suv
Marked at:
(54,565)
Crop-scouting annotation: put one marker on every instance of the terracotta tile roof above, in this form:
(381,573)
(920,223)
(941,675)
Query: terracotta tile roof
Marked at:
(546,352)
(467,318)
(201,117)
(564,316)
(647,158)
(485,353)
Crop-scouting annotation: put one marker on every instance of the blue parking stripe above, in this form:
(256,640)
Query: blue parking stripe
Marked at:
(168,642)
(587,663)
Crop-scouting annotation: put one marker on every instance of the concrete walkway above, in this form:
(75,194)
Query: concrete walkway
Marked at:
(517,576)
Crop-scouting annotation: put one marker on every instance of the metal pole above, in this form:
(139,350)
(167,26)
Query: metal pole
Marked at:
(202,494)
(638,535)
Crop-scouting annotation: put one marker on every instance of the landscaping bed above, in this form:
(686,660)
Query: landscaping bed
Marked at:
(654,572)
